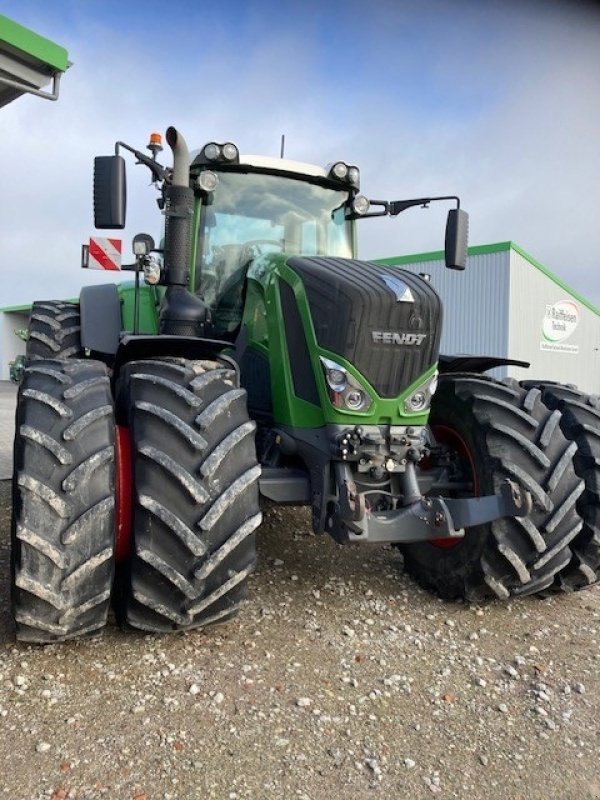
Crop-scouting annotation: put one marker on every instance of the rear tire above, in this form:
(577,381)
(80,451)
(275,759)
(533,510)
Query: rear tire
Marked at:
(54,330)
(195,495)
(580,423)
(63,504)
(505,432)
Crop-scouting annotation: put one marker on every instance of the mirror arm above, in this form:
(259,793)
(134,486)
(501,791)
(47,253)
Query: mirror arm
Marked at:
(395,207)
(159,172)
(398,206)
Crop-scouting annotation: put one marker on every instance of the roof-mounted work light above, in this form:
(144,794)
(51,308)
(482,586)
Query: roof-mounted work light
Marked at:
(216,153)
(346,173)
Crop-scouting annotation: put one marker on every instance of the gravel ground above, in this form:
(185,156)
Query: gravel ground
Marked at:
(340,678)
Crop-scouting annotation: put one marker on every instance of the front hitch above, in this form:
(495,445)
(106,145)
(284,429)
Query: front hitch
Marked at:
(420,520)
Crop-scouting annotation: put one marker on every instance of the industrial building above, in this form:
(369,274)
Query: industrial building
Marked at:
(507,304)
(504,304)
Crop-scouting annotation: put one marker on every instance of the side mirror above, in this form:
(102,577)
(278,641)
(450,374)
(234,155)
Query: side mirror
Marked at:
(142,244)
(109,192)
(457,238)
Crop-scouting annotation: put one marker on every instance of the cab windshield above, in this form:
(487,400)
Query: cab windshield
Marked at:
(252,214)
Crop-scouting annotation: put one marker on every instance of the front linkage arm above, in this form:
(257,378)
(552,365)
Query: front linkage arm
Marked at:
(422,519)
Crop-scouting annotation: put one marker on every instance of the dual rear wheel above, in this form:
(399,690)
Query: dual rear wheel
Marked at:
(187,499)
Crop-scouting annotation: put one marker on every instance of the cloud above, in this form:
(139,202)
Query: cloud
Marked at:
(497,103)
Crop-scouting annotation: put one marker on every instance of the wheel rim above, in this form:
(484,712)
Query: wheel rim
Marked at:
(123,493)
(451,438)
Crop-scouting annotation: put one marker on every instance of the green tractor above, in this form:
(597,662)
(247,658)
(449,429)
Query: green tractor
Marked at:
(261,361)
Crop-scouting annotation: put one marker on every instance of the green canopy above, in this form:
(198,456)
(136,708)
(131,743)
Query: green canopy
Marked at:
(28,62)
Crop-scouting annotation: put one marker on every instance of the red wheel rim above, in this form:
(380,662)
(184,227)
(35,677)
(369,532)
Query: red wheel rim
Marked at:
(451,438)
(123,494)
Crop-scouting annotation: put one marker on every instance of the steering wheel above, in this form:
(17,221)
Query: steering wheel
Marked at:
(260,243)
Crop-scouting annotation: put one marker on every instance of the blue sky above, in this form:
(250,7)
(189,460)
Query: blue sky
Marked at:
(496,102)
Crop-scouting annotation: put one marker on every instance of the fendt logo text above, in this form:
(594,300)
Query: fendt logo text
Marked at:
(391,337)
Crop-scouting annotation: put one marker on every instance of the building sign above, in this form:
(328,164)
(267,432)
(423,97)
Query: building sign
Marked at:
(559,322)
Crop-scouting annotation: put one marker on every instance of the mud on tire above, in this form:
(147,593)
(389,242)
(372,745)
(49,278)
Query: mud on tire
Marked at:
(54,330)
(195,494)
(580,423)
(507,432)
(63,505)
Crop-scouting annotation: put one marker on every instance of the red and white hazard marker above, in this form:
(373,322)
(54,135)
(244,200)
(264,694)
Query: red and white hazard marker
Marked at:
(104,253)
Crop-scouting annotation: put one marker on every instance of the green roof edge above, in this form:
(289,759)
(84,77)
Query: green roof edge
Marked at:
(479,250)
(27,306)
(555,278)
(45,51)
(437,255)
(8,309)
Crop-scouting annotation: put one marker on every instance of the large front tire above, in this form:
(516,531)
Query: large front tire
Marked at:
(499,431)
(63,505)
(580,423)
(195,494)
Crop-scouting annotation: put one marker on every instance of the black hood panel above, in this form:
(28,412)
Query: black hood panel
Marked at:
(357,315)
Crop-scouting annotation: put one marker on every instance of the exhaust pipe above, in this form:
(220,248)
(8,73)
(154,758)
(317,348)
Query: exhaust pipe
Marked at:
(182,313)
(181,157)
(179,204)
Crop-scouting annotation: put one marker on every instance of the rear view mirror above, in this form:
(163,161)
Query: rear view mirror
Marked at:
(457,238)
(109,192)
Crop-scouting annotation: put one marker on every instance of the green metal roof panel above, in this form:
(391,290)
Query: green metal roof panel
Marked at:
(437,255)
(32,46)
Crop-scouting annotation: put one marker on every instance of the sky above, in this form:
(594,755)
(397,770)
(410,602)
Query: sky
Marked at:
(497,102)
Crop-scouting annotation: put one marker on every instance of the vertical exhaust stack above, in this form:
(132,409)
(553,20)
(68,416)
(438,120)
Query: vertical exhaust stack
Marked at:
(179,205)
(182,313)
(181,157)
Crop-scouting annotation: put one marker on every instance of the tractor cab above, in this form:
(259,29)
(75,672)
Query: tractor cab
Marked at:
(260,207)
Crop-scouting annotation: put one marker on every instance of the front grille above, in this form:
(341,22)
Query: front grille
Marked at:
(348,301)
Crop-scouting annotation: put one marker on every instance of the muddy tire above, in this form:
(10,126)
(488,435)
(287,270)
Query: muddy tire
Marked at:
(195,495)
(580,423)
(54,331)
(63,504)
(499,431)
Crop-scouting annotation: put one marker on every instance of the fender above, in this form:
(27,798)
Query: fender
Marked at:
(134,348)
(461,363)
(100,309)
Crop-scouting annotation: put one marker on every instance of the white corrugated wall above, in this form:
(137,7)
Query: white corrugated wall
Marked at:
(506,304)
(475,303)
(570,353)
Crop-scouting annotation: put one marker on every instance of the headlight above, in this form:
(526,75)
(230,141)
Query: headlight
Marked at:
(420,399)
(347,173)
(230,152)
(208,180)
(354,176)
(340,170)
(224,153)
(360,204)
(345,392)
(336,378)
(356,400)
(212,151)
